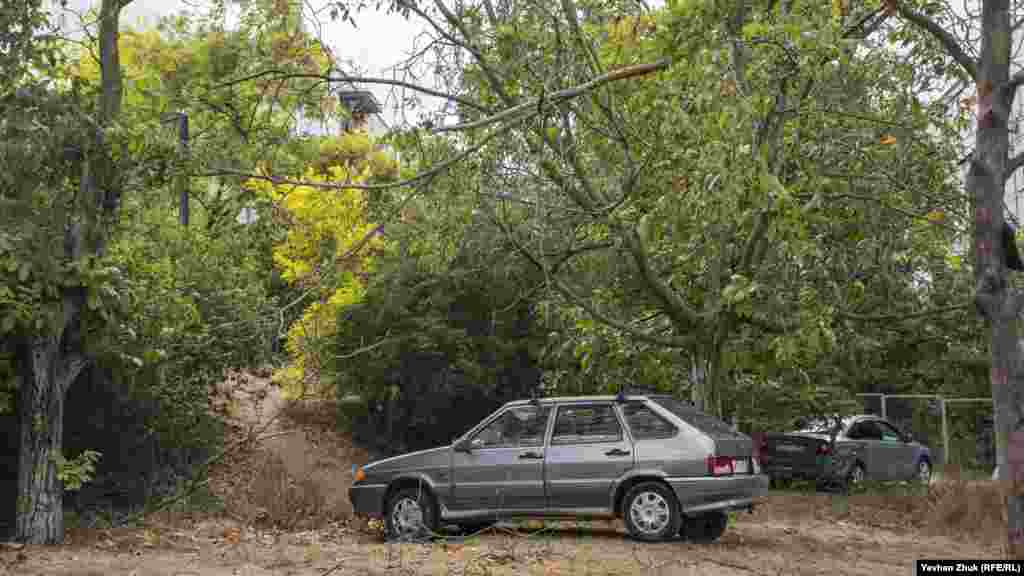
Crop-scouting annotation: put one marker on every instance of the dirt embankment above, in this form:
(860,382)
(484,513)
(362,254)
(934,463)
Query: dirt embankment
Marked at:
(285,512)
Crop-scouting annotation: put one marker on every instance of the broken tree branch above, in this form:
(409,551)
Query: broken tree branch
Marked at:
(562,95)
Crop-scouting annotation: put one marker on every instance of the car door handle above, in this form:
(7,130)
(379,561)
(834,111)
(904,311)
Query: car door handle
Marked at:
(531,456)
(617,452)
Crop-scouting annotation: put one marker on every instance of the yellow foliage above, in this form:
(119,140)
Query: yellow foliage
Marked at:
(326,246)
(936,216)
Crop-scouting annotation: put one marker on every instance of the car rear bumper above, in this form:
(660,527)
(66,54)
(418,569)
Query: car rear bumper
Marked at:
(790,472)
(368,499)
(722,493)
(823,470)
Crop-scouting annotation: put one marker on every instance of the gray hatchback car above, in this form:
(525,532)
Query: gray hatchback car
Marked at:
(664,467)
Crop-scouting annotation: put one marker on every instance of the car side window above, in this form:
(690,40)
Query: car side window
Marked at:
(646,424)
(865,430)
(890,433)
(586,424)
(519,427)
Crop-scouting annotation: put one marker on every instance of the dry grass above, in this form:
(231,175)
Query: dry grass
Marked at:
(974,509)
(279,499)
(957,507)
(298,478)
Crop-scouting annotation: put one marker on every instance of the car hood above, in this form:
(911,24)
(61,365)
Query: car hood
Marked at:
(414,460)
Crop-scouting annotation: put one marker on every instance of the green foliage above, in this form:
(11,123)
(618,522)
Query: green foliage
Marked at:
(784,183)
(198,304)
(441,338)
(76,472)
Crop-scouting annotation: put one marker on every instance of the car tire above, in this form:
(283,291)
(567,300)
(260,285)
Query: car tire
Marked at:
(410,514)
(856,476)
(924,472)
(705,528)
(651,512)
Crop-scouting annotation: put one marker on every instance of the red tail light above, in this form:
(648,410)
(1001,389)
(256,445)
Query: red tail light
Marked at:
(824,449)
(720,465)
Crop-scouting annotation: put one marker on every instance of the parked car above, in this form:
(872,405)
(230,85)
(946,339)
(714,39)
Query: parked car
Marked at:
(844,451)
(664,467)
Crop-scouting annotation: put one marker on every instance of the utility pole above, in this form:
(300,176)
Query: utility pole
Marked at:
(181,181)
(183,175)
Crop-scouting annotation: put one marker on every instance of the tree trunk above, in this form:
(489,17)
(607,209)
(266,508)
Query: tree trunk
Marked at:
(40,518)
(994,297)
(48,362)
(698,378)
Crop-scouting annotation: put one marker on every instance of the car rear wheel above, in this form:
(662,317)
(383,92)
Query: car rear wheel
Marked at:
(924,471)
(651,512)
(706,527)
(410,515)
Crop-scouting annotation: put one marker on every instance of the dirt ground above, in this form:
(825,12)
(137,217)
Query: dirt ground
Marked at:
(286,514)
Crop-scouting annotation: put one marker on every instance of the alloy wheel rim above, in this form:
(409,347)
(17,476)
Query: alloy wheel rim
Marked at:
(858,474)
(407,517)
(650,513)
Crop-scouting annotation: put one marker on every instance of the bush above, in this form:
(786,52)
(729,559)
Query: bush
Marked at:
(429,353)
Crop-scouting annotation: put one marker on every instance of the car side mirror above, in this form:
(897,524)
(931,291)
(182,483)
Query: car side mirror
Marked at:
(462,446)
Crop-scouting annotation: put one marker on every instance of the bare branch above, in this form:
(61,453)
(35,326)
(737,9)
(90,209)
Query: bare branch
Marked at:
(366,349)
(948,41)
(492,77)
(282,75)
(899,317)
(1012,165)
(1009,89)
(673,304)
(276,180)
(562,95)
(567,292)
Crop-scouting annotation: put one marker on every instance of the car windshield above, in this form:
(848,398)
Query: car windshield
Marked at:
(824,426)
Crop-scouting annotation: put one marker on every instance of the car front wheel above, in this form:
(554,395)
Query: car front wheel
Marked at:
(856,476)
(706,527)
(651,512)
(410,515)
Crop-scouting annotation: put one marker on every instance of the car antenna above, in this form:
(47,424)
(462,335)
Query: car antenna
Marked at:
(621,396)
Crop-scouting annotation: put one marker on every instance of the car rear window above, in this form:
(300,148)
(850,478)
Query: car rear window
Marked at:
(704,422)
(646,424)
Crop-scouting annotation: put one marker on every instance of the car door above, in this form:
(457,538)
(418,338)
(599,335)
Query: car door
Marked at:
(867,435)
(587,453)
(896,452)
(504,468)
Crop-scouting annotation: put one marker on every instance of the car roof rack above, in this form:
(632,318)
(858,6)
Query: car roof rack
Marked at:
(636,391)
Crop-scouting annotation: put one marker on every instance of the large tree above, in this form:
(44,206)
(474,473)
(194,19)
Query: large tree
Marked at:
(674,174)
(990,166)
(62,192)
